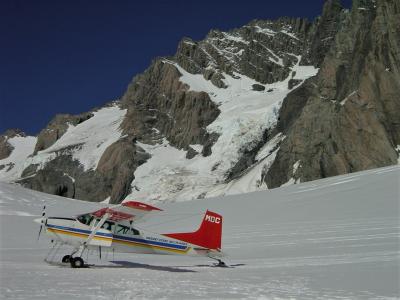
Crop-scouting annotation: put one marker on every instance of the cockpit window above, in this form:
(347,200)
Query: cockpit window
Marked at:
(85,219)
(108,225)
(122,229)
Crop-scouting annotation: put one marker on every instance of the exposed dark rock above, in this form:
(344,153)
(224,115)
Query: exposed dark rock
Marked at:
(213,137)
(247,157)
(30,170)
(64,176)
(191,153)
(258,87)
(293,82)
(258,50)
(56,178)
(293,105)
(217,80)
(160,105)
(5,148)
(118,164)
(215,77)
(323,32)
(9,166)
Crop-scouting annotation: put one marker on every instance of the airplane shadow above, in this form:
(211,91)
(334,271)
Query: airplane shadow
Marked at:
(133,265)
(226,266)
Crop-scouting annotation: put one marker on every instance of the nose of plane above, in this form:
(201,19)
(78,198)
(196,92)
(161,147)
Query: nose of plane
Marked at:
(38,220)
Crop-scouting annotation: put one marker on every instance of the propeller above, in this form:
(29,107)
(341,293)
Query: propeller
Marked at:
(41,221)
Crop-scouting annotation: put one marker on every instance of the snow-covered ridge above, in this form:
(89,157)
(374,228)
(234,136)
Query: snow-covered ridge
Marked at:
(87,141)
(270,32)
(266,31)
(235,38)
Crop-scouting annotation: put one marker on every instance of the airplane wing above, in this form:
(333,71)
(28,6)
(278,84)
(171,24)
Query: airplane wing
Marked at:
(126,211)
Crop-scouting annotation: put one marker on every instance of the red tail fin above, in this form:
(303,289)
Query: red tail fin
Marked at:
(208,235)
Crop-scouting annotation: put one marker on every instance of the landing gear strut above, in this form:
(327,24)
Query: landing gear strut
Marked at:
(76,262)
(219,262)
(66,259)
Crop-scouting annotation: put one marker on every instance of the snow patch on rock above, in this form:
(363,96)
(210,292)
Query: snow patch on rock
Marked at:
(14,163)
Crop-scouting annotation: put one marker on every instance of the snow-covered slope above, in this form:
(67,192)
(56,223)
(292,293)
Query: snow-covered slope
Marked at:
(245,116)
(14,164)
(86,141)
(336,238)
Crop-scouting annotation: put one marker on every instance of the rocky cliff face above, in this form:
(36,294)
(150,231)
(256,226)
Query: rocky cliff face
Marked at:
(159,105)
(347,118)
(239,111)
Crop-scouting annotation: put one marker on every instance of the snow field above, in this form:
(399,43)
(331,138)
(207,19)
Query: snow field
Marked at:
(335,238)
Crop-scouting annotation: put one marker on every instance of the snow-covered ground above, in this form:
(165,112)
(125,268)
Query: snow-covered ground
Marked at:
(336,238)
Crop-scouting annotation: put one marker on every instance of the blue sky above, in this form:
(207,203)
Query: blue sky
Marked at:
(70,56)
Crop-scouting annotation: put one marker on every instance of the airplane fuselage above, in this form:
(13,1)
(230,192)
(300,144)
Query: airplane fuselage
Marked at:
(119,237)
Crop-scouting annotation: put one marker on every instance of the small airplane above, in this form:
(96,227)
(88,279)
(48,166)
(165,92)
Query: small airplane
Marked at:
(111,228)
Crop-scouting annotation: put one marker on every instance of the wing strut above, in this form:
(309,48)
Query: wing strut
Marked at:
(95,229)
(91,235)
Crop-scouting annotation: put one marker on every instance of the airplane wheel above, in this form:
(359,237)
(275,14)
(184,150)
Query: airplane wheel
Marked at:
(66,259)
(76,262)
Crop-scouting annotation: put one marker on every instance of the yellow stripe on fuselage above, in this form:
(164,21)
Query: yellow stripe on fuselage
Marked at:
(129,243)
(136,244)
(78,234)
